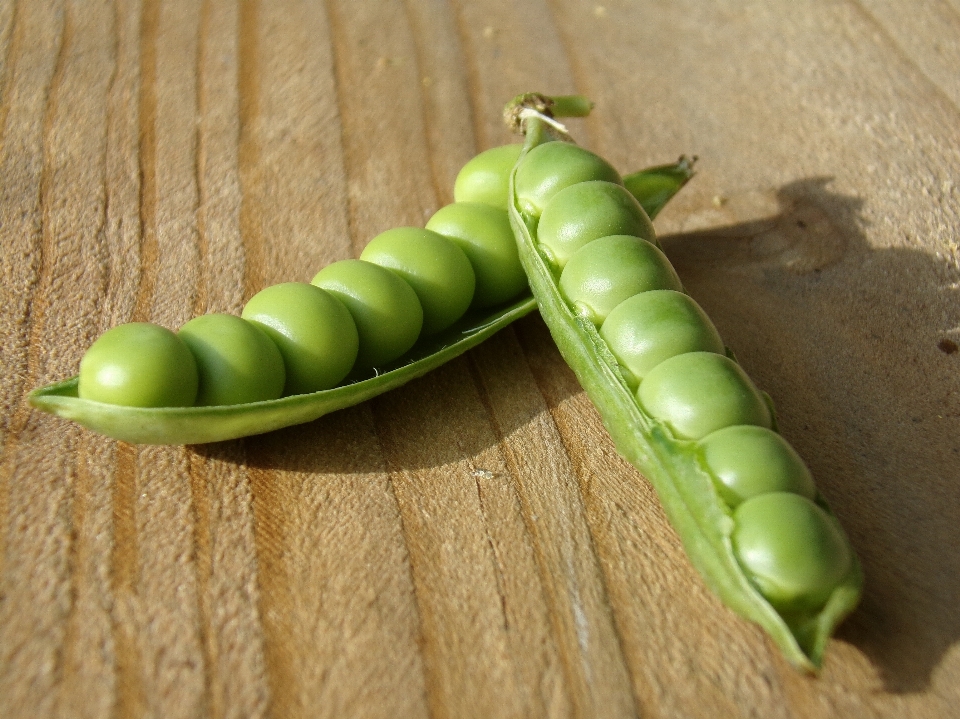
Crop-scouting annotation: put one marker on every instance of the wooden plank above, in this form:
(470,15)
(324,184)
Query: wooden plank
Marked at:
(468,545)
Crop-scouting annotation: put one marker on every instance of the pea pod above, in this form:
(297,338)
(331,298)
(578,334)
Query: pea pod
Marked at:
(199,424)
(663,427)
(196,425)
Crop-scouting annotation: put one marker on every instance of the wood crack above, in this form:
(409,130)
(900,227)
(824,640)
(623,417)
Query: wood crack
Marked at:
(149,257)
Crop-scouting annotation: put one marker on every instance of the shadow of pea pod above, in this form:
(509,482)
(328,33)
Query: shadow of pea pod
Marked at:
(854,343)
(783,228)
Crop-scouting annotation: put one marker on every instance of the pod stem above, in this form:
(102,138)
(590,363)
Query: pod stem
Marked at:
(571,106)
(529,104)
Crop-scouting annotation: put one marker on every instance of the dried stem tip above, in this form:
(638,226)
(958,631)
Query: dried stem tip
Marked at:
(559,106)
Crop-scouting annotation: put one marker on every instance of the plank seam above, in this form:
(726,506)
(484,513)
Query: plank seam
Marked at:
(149,28)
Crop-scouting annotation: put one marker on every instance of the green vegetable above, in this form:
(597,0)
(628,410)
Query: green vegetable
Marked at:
(696,393)
(747,461)
(313,331)
(792,550)
(588,211)
(649,327)
(554,166)
(384,308)
(664,382)
(485,178)
(436,268)
(191,425)
(237,362)
(607,271)
(483,232)
(139,365)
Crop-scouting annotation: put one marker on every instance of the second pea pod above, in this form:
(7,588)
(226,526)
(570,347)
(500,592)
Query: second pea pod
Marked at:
(676,403)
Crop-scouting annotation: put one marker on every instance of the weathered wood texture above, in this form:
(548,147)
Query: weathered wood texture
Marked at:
(469,545)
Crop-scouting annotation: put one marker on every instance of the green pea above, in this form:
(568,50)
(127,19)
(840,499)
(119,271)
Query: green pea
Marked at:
(651,327)
(747,460)
(700,392)
(585,212)
(552,166)
(486,177)
(139,365)
(313,331)
(237,362)
(483,232)
(605,272)
(384,307)
(437,270)
(791,549)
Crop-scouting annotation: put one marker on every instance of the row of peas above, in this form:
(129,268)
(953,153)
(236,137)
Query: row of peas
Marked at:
(611,272)
(355,315)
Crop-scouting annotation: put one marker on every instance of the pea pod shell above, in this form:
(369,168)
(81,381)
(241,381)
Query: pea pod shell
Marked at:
(197,425)
(654,186)
(686,490)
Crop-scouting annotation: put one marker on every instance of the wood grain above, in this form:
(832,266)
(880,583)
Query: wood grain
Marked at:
(469,545)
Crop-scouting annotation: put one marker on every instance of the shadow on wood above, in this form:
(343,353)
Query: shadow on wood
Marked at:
(849,340)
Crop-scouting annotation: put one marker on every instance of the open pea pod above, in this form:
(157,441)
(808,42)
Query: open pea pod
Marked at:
(673,465)
(197,425)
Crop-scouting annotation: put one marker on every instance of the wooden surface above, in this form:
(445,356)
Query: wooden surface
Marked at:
(469,545)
